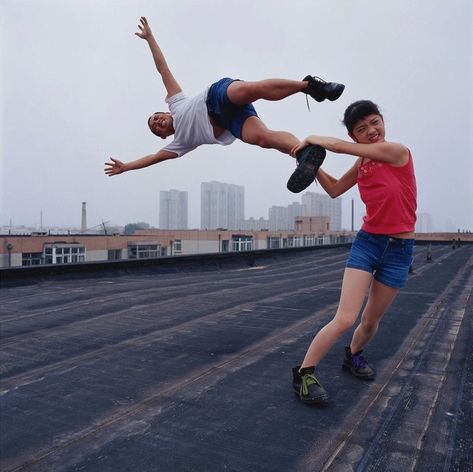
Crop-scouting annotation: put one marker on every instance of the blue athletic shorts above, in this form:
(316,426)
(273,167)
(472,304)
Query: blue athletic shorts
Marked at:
(387,258)
(223,111)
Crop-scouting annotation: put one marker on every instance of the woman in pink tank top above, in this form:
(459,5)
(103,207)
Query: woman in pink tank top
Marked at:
(381,253)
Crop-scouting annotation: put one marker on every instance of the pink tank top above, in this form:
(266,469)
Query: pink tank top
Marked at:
(390,196)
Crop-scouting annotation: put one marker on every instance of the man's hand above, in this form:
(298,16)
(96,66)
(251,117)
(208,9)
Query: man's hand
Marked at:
(115,167)
(145,31)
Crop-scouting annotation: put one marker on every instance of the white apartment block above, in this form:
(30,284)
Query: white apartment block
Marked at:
(316,204)
(172,209)
(222,205)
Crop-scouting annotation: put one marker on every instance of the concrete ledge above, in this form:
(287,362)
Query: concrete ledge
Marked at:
(25,275)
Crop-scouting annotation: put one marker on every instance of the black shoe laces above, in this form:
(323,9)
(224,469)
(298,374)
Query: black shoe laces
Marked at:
(315,79)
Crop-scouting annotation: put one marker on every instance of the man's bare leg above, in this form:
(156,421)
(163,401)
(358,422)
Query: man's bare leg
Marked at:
(255,132)
(242,93)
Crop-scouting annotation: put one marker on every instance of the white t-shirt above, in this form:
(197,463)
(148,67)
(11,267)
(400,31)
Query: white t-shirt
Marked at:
(192,125)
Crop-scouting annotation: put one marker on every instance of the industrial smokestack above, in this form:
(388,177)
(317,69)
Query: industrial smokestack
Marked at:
(83,226)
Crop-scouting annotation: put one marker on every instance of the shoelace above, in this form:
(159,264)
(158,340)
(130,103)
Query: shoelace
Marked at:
(307,101)
(306,381)
(316,79)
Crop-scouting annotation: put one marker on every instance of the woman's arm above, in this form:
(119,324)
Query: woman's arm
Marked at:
(394,153)
(336,187)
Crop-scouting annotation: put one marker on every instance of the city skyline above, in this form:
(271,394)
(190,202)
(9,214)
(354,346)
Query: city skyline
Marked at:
(279,217)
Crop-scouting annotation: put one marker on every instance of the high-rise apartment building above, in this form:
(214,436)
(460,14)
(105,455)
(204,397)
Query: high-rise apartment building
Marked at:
(294,210)
(221,205)
(277,218)
(172,209)
(316,204)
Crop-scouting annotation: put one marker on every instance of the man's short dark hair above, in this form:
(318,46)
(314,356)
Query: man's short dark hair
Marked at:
(357,111)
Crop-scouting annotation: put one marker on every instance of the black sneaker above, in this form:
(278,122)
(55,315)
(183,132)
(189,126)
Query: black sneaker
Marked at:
(320,90)
(357,365)
(309,159)
(307,387)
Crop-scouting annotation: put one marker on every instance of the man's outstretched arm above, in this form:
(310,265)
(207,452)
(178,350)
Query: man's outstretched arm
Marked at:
(115,167)
(172,87)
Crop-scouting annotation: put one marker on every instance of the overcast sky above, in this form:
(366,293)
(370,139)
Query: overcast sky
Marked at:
(77,87)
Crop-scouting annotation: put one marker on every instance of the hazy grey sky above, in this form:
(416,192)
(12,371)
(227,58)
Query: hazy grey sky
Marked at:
(77,87)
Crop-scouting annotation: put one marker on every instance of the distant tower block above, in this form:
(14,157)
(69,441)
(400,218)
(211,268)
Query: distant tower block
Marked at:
(83,226)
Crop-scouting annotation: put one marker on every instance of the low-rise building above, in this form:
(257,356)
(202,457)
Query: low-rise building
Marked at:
(46,248)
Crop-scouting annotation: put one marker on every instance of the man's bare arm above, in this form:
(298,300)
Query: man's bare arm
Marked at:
(170,83)
(116,167)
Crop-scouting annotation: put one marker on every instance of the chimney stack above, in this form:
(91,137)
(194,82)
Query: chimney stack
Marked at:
(83,226)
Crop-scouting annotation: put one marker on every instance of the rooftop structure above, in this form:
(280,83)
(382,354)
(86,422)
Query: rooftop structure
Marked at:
(44,248)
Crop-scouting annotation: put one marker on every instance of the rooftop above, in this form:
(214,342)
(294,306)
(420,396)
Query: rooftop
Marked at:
(187,367)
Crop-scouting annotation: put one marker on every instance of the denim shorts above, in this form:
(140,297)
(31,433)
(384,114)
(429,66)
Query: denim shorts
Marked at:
(387,258)
(225,113)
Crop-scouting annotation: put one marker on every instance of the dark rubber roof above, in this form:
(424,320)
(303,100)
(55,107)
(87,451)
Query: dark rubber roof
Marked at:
(189,369)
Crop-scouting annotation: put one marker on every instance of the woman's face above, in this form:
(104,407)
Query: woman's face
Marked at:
(369,130)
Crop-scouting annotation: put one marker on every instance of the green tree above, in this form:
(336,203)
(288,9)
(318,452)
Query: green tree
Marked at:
(130,228)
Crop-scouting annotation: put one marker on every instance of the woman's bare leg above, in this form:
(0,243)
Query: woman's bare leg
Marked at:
(354,288)
(379,300)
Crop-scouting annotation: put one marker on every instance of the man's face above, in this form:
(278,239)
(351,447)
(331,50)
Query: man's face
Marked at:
(369,130)
(161,124)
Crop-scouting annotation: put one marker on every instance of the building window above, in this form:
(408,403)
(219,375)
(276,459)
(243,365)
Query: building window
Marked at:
(309,240)
(114,254)
(64,254)
(144,250)
(242,243)
(274,242)
(32,258)
(177,246)
(294,241)
(224,245)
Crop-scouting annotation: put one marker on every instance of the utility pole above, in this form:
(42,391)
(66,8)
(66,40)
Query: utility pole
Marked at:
(352,215)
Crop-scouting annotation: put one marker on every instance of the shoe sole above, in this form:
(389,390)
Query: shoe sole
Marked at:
(364,377)
(313,401)
(322,399)
(305,173)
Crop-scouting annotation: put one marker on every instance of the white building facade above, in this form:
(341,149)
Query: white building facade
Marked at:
(222,205)
(173,209)
(316,204)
